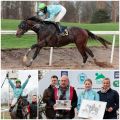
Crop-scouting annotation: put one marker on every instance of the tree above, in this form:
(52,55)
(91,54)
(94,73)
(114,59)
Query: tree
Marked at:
(100,16)
(115,10)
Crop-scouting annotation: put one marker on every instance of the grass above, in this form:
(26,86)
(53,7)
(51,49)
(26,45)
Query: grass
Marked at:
(12,25)
(5,114)
(11,41)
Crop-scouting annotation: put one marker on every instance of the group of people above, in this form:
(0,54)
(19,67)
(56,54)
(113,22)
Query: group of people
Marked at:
(64,91)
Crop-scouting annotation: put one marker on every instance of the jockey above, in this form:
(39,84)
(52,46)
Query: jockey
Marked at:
(52,13)
(17,90)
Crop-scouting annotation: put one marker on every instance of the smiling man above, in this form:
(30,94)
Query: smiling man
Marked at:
(111,97)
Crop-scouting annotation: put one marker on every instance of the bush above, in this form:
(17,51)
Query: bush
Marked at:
(100,16)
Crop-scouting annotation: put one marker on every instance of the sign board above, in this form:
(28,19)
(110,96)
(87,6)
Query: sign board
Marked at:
(13,74)
(90,109)
(63,105)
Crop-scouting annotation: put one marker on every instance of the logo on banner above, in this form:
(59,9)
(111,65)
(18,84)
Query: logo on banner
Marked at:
(82,78)
(116,75)
(116,83)
(99,78)
(64,73)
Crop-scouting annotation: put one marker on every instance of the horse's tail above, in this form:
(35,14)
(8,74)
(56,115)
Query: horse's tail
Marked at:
(95,37)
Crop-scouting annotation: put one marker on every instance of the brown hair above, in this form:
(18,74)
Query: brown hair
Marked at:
(106,79)
(89,80)
(54,76)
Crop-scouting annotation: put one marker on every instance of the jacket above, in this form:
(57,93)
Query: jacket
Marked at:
(112,99)
(87,94)
(71,96)
(33,110)
(48,98)
(18,91)
(52,11)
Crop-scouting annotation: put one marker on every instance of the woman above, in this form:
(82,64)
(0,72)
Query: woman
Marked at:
(88,93)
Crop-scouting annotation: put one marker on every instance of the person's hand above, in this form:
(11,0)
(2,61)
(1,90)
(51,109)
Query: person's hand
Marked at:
(110,109)
(54,106)
(29,76)
(7,75)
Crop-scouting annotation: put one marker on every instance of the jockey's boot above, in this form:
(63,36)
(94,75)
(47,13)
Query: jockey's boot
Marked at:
(11,108)
(59,29)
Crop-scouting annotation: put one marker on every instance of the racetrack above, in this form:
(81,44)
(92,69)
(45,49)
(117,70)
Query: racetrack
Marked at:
(63,58)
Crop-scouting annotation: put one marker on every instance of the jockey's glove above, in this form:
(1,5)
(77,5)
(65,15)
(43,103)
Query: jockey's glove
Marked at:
(29,76)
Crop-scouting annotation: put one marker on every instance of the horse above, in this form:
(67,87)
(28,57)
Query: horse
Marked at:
(20,111)
(47,36)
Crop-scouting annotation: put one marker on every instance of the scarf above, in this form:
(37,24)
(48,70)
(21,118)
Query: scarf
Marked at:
(103,90)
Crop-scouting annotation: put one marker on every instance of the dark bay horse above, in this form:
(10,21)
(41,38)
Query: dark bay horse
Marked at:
(47,35)
(21,110)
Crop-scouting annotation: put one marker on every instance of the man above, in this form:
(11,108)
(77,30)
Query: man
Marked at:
(48,98)
(53,13)
(65,92)
(33,107)
(111,97)
(17,90)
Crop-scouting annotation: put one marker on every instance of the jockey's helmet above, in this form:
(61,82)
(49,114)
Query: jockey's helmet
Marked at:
(18,81)
(42,6)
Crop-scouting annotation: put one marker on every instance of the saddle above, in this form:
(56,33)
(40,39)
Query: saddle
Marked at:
(62,30)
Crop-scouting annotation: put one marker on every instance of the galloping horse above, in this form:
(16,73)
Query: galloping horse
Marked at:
(21,111)
(47,35)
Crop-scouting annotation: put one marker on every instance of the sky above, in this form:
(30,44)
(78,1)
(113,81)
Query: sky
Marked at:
(22,75)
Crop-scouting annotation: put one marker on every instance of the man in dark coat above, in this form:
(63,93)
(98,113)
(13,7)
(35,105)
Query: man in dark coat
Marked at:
(111,97)
(48,98)
(33,107)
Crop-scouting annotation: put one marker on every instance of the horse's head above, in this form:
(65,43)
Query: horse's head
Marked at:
(23,27)
(26,25)
(24,105)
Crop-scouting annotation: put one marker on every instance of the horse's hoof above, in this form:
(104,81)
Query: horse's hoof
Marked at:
(25,59)
(30,63)
(94,59)
(82,65)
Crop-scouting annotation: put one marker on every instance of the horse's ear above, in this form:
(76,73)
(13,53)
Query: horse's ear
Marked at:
(26,18)
(27,96)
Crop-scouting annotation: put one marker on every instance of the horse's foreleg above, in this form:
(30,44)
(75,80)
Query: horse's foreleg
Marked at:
(26,55)
(32,47)
(35,54)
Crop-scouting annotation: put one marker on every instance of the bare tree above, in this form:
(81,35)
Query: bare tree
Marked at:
(115,10)
(101,4)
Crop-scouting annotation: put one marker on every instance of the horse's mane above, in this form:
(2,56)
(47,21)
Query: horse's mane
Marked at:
(34,18)
(38,20)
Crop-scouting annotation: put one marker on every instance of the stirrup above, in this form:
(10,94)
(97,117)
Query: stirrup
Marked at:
(66,32)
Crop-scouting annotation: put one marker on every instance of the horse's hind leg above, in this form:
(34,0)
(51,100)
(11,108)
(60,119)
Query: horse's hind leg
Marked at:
(90,53)
(82,50)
